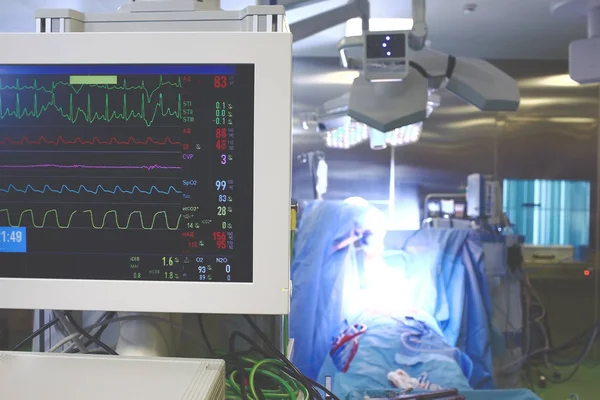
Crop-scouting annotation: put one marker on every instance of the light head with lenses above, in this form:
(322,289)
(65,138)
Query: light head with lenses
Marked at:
(342,131)
(395,80)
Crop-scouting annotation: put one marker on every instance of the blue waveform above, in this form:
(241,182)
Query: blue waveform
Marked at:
(82,188)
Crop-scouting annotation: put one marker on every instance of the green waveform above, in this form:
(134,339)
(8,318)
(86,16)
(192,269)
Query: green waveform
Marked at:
(73,114)
(92,220)
(124,87)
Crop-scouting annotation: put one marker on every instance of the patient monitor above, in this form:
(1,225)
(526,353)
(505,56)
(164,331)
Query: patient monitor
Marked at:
(137,167)
(137,171)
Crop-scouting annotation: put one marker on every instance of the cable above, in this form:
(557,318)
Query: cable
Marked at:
(66,322)
(106,316)
(540,321)
(85,334)
(294,379)
(121,319)
(98,335)
(293,371)
(238,367)
(59,327)
(323,388)
(246,370)
(288,387)
(205,336)
(305,386)
(549,351)
(36,333)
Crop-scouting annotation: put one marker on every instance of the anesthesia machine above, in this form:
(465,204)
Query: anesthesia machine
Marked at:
(137,167)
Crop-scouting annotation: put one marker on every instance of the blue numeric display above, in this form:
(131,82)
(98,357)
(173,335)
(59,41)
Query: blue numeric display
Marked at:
(13,240)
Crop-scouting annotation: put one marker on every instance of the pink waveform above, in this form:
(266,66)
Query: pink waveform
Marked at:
(146,167)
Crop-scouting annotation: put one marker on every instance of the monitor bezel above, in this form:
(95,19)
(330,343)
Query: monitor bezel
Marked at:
(271,54)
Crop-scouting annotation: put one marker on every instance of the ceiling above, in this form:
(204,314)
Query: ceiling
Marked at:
(499,29)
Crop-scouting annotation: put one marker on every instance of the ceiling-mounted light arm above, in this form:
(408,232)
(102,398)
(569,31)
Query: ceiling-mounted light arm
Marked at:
(418,35)
(365,14)
(320,22)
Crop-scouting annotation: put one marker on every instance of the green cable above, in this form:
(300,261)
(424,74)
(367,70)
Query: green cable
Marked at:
(255,370)
(290,392)
(294,382)
(234,384)
(297,387)
(271,394)
(289,385)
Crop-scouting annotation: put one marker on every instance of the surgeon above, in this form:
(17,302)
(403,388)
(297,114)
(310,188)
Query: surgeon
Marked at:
(325,274)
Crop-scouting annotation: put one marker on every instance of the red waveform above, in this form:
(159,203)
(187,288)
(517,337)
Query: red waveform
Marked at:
(95,140)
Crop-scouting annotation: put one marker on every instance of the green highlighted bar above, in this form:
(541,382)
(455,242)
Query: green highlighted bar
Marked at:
(93,80)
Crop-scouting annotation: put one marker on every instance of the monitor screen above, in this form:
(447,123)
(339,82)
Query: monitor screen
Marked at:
(381,46)
(127,172)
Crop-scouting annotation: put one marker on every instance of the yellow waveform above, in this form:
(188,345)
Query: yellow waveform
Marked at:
(92,221)
(46,214)
(126,226)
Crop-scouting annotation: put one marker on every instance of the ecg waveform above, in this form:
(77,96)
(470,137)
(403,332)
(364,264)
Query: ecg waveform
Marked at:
(77,88)
(53,216)
(74,113)
(83,166)
(83,189)
(93,141)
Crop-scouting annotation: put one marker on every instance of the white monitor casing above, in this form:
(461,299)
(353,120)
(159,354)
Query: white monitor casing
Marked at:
(271,55)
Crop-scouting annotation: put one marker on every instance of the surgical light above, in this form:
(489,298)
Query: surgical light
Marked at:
(347,136)
(353,133)
(344,132)
(392,90)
